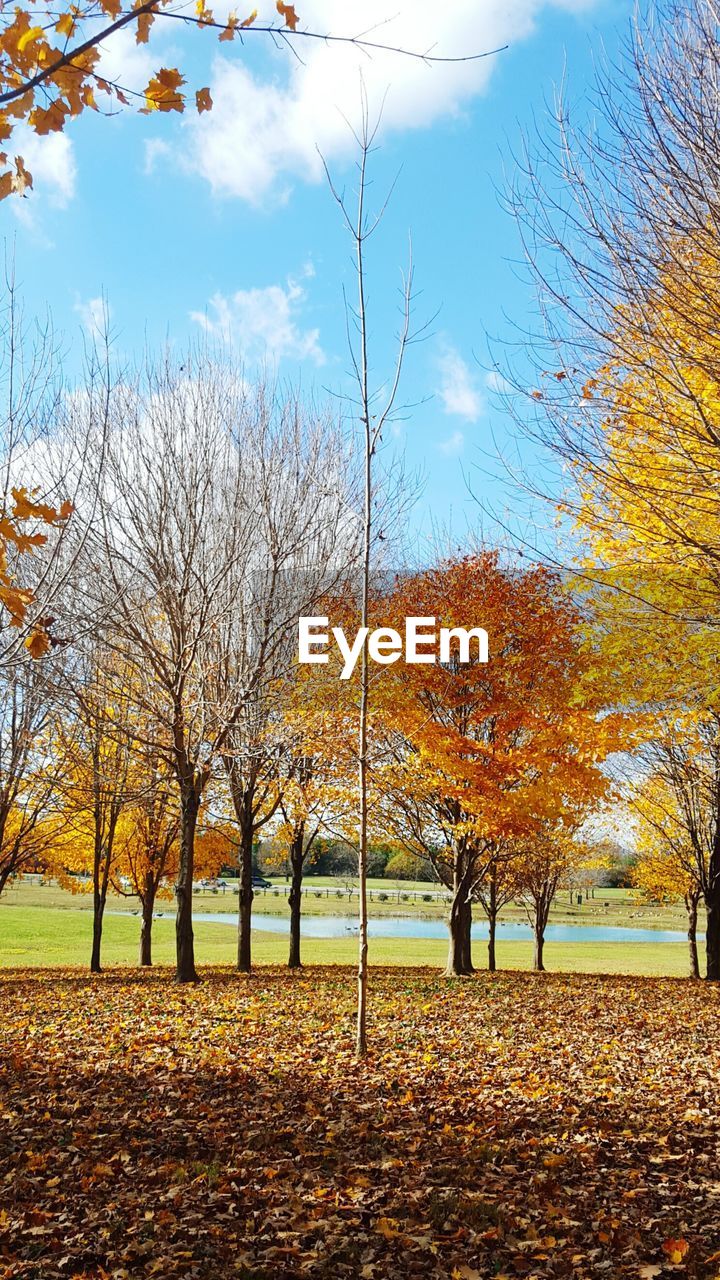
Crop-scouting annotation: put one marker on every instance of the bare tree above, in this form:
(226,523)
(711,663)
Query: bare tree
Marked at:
(27,708)
(374,408)
(304,540)
(497,889)
(189,563)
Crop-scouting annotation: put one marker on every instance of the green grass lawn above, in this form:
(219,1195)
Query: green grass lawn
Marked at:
(323,895)
(50,936)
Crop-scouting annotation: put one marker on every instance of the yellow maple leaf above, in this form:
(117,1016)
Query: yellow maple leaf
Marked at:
(65,24)
(32,33)
(162,92)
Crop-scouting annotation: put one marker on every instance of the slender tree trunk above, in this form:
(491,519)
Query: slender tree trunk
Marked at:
(712,935)
(148,906)
(245,900)
(542,911)
(184,939)
(467,937)
(691,903)
(492,939)
(101,877)
(539,947)
(4,877)
(98,911)
(295,899)
(712,897)
(492,915)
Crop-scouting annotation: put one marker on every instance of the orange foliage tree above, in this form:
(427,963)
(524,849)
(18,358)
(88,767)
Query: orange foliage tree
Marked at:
(481,753)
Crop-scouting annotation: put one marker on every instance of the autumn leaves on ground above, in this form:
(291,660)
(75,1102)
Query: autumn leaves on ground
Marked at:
(519,1125)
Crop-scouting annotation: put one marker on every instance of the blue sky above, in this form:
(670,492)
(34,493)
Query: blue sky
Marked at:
(224,223)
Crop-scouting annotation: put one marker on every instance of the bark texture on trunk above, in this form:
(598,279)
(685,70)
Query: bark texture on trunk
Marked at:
(712,936)
(295,899)
(245,900)
(492,936)
(459,962)
(184,938)
(148,906)
(98,912)
(538,963)
(492,915)
(691,906)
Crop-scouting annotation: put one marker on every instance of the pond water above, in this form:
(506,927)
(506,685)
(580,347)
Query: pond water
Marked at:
(403,927)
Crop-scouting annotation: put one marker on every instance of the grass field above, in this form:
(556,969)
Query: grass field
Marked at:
(325,896)
(42,936)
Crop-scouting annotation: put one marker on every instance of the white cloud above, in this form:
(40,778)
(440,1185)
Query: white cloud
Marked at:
(125,62)
(453,446)
(95,316)
(155,148)
(457,390)
(494,381)
(265,133)
(262,323)
(51,161)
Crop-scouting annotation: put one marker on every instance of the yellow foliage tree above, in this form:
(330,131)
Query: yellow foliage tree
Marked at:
(674,837)
(650,513)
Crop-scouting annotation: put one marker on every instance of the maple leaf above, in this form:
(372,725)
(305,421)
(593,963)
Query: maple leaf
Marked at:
(144,23)
(66,24)
(37,643)
(288,14)
(676,1250)
(50,120)
(203,100)
(162,93)
(228,32)
(32,33)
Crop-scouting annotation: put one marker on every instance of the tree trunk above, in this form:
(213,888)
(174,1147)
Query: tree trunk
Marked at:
(492,936)
(245,900)
(98,912)
(539,932)
(459,962)
(542,912)
(296,864)
(712,935)
(692,909)
(492,915)
(184,939)
(148,905)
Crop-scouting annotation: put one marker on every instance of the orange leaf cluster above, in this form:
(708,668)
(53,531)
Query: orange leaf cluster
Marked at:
(49,67)
(26,507)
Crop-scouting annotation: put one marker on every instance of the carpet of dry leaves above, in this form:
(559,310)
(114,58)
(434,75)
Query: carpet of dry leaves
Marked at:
(518,1125)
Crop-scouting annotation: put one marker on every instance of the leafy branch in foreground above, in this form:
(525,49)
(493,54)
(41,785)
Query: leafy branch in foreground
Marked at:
(51,63)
